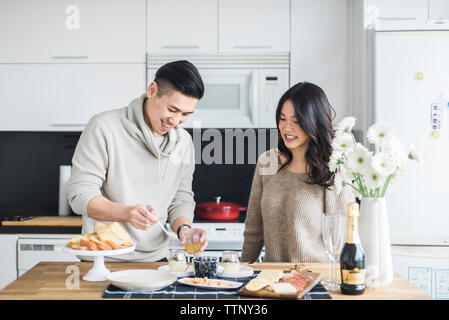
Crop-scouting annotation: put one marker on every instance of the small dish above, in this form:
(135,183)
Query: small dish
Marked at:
(141,279)
(244,272)
(189,272)
(233,284)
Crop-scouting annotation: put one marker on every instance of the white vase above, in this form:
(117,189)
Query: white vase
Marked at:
(374,233)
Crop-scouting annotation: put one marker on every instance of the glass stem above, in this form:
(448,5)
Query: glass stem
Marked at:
(330,269)
(335,271)
(332,272)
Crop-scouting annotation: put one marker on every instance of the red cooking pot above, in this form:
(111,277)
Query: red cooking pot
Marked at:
(218,211)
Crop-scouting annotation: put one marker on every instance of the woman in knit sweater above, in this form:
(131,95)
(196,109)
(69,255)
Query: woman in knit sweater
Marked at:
(292,184)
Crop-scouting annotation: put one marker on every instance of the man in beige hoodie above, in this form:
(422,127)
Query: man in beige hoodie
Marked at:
(135,164)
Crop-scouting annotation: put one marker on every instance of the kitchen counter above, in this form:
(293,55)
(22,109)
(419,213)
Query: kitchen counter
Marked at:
(47,280)
(47,221)
(44,224)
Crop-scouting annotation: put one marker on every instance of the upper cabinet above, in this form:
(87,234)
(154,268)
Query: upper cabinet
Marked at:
(188,26)
(211,26)
(409,10)
(401,9)
(48,31)
(63,97)
(254,25)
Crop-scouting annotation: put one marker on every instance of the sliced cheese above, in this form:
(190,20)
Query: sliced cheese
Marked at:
(282,288)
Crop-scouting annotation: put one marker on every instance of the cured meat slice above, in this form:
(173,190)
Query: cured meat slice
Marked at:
(298,280)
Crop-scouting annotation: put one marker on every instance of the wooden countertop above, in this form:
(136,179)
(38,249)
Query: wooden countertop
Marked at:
(47,280)
(47,221)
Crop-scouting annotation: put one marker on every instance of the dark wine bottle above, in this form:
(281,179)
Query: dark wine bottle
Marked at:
(352,257)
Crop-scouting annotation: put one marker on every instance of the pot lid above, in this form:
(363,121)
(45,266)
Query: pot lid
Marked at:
(217,204)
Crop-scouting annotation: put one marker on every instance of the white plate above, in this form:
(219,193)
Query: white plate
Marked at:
(244,272)
(188,272)
(141,279)
(235,285)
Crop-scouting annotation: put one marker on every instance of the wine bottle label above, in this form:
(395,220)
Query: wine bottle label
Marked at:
(355,276)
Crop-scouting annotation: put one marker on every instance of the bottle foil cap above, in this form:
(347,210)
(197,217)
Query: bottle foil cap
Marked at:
(353,209)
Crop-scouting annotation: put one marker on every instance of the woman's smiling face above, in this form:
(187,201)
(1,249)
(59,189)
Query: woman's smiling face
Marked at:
(292,134)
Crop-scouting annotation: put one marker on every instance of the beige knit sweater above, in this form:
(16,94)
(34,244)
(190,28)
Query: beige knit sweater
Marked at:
(284,214)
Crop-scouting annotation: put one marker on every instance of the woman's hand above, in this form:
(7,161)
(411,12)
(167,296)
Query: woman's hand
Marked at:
(141,216)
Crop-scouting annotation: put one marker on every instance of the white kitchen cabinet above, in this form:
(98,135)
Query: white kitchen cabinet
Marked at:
(319,51)
(63,97)
(8,254)
(182,26)
(438,9)
(81,31)
(254,25)
(35,248)
(401,9)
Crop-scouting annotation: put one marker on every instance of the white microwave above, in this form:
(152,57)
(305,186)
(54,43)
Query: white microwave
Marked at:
(241,91)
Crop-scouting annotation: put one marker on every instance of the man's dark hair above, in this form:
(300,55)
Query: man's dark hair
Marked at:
(181,76)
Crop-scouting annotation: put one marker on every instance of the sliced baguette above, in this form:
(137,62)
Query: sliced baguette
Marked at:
(100,244)
(272,275)
(120,234)
(75,242)
(257,284)
(113,234)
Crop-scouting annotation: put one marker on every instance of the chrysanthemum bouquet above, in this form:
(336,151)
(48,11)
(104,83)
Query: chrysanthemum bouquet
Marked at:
(368,173)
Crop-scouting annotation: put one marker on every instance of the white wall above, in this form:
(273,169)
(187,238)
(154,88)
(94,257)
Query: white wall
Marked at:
(319,48)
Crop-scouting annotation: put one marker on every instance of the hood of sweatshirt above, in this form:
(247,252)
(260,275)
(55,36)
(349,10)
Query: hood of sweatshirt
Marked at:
(135,124)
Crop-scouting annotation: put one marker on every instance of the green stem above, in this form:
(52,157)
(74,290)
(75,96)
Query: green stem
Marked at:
(348,184)
(384,189)
(359,182)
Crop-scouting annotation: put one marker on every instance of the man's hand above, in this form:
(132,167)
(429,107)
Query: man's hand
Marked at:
(141,216)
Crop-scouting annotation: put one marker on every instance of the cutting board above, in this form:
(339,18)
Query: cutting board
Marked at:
(264,293)
(47,221)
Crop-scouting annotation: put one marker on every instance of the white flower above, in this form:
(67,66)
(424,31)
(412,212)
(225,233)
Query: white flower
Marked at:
(396,150)
(343,143)
(379,134)
(383,164)
(372,179)
(335,160)
(345,126)
(359,158)
(413,154)
(398,175)
(338,182)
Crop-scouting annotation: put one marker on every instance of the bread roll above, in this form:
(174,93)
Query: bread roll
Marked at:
(257,284)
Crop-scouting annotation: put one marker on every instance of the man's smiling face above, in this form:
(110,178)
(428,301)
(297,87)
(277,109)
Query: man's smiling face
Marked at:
(167,110)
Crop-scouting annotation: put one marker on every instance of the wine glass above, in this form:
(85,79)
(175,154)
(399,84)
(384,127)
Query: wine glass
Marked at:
(334,233)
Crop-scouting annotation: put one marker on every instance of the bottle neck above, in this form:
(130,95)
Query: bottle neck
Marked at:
(353,230)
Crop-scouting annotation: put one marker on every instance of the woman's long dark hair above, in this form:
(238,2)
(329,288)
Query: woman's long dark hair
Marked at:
(314,115)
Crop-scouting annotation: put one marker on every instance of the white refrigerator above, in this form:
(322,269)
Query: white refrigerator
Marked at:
(410,78)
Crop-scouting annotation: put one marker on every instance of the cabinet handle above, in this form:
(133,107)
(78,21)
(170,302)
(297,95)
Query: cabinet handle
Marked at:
(253,47)
(68,124)
(181,47)
(399,19)
(70,57)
